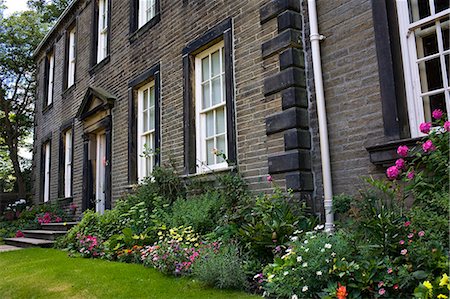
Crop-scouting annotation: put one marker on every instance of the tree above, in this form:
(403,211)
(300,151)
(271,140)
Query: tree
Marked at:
(48,10)
(20,34)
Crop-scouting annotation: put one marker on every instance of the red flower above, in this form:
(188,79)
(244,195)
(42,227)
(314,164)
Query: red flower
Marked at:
(341,292)
(19,234)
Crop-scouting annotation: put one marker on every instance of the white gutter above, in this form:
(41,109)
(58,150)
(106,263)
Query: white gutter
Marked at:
(315,38)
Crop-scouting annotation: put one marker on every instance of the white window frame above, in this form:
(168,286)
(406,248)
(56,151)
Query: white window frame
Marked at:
(147,11)
(200,113)
(410,63)
(68,140)
(51,72)
(71,59)
(146,164)
(46,185)
(102,44)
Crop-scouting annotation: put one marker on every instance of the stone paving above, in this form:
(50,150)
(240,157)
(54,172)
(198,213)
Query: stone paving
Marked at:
(4,248)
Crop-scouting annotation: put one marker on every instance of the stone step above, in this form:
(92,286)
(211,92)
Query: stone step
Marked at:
(5,248)
(60,226)
(28,242)
(44,234)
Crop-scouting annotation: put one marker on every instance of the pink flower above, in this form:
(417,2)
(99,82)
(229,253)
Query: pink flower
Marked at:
(392,172)
(381,291)
(402,151)
(380,284)
(389,271)
(400,163)
(428,146)
(395,287)
(437,114)
(421,233)
(19,234)
(410,235)
(404,252)
(407,223)
(447,126)
(401,242)
(425,128)
(269,178)
(410,175)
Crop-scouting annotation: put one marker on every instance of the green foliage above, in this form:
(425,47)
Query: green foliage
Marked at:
(267,221)
(221,269)
(309,263)
(202,212)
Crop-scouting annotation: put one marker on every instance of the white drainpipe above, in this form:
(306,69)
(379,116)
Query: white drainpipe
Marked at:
(315,38)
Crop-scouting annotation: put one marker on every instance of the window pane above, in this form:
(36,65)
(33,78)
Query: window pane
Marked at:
(205,68)
(431,103)
(145,99)
(223,60)
(418,9)
(152,118)
(447,65)
(216,91)
(221,147)
(209,155)
(152,96)
(445,32)
(210,124)
(215,59)
(145,121)
(426,41)
(430,74)
(205,95)
(220,120)
(441,5)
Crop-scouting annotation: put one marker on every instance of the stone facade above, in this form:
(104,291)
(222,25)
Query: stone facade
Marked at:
(273,92)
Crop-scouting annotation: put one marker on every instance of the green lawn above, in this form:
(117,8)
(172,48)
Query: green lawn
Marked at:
(49,273)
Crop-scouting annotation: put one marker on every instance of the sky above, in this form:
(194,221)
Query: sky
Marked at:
(15,5)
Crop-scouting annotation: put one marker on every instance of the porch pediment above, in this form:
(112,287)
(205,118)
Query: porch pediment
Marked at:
(95,100)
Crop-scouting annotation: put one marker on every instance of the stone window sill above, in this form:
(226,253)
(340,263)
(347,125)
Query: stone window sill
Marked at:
(385,154)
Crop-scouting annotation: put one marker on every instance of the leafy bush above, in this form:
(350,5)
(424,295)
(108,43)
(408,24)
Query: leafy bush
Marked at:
(267,221)
(202,212)
(221,268)
(309,263)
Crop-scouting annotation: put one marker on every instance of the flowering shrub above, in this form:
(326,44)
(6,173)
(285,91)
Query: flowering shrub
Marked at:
(132,255)
(309,264)
(89,246)
(175,252)
(438,288)
(48,217)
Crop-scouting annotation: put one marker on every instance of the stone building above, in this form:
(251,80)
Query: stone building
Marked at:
(127,85)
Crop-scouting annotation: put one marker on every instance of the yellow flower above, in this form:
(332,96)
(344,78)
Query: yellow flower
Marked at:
(442,296)
(159,233)
(444,280)
(428,285)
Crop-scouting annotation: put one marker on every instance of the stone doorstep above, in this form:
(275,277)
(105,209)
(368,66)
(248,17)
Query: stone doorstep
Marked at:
(60,226)
(5,248)
(28,242)
(44,234)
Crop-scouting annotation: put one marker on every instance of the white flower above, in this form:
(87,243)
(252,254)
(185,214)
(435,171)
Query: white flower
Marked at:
(299,259)
(319,273)
(304,265)
(285,273)
(305,288)
(265,294)
(294,297)
(327,260)
(294,238)
(322,250)
(319,227)
(333,254)
(306,249)
(328,245)
(288,250)
(297,232)
(306,242)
